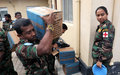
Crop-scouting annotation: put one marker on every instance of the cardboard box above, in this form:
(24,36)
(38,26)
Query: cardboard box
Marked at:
(13,39)
(66,55)
(55,52)
(35,14)
(71,68)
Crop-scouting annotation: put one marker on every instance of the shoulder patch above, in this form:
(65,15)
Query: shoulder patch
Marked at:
(99,30)
(105,30)
(105,34)
(28,44)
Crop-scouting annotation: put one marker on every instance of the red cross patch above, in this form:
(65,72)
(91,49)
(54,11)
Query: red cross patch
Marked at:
(105,34)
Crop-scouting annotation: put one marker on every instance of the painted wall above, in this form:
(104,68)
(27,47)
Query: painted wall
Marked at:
(85,30)
(20,5)
(116,22)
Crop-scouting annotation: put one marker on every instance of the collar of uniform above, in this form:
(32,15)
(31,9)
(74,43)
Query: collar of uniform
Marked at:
(23,40)
(26,41)
(8,21)
(106,21)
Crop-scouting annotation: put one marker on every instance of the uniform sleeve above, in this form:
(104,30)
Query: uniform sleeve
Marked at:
(102,47)
(96,49)
(97,53)
(2,48)
(28,52)
(107,42)
(2,40)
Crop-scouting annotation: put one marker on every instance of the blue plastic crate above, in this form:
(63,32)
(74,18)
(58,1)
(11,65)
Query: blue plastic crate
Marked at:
(38,22)
(66,55)
(71,68)
(35,14)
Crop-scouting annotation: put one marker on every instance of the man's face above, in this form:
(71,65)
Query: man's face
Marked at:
(63,30)
(101,15)
(6,18)
(18,16)
(28,33)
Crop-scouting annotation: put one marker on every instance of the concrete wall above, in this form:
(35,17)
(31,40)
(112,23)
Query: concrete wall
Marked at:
(116,22)
(20,5)
(85,29)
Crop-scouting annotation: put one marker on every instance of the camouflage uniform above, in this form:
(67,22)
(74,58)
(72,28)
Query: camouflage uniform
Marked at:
(34,65)
(6,65)
(102,47)
(7,26)
(51,63)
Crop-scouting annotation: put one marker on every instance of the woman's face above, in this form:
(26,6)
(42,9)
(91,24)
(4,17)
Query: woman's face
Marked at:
(101,15)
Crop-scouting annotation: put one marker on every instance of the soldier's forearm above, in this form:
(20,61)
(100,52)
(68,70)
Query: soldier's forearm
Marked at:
(45,43)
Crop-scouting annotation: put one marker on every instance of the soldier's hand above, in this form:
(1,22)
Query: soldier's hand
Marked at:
(104,58)
(99,64)
(49,19)
(55,45)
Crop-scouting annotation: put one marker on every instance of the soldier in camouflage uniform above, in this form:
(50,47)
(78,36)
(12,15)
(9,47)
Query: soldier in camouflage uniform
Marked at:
(7,25)
(102,47)
(32,55)
(6,65)
(18,15)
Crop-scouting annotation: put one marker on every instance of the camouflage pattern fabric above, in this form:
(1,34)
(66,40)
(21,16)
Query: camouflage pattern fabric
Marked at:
(51,63)
(6,65)
(34,65)
(7,26)
(102,47)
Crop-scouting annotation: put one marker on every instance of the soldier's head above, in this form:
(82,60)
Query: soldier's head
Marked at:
(18,15)
(64,27)
(25,29)
(7,17)
(101,14)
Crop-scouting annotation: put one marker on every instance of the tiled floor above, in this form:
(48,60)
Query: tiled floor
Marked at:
(20,69)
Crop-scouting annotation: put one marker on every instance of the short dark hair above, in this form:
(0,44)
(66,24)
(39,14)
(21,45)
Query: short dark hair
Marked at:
(8,15)
(64,26)
(102,7)
(17,13)
(21,22)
